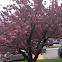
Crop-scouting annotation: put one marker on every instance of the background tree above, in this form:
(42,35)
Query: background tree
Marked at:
(30,24)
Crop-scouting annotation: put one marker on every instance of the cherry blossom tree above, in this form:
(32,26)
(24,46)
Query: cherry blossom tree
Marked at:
(29,27)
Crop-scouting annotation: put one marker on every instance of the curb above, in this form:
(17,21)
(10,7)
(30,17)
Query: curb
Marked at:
(52,49)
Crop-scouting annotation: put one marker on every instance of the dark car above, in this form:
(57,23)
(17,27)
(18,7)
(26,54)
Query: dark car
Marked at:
(60,51)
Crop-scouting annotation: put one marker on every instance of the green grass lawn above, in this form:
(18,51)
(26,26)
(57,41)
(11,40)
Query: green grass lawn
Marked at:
(53,47)
(45,60)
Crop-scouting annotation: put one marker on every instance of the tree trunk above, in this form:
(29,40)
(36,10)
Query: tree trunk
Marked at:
(32,60)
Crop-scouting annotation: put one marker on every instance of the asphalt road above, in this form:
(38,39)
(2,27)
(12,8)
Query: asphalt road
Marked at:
(51,54)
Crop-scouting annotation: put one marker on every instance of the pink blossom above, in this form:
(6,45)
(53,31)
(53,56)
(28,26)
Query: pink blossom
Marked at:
(27,26)
(17,31)
(18,27)
(10,34)
(25,32)
(4,8)
(3,38)
(7,41)
(2,55)
(16,52)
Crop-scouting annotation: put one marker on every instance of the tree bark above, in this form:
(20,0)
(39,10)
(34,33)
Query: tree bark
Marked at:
(32,60)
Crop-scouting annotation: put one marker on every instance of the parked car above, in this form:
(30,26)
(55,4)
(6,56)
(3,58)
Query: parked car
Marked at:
(44,49)
(13,57)
(60,51)
(49,42)
(55,42)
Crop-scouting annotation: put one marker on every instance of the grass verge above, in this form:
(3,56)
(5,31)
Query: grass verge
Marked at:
(45,60)
(53,47)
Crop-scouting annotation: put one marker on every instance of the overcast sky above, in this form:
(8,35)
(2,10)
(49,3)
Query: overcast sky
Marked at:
(6,2)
